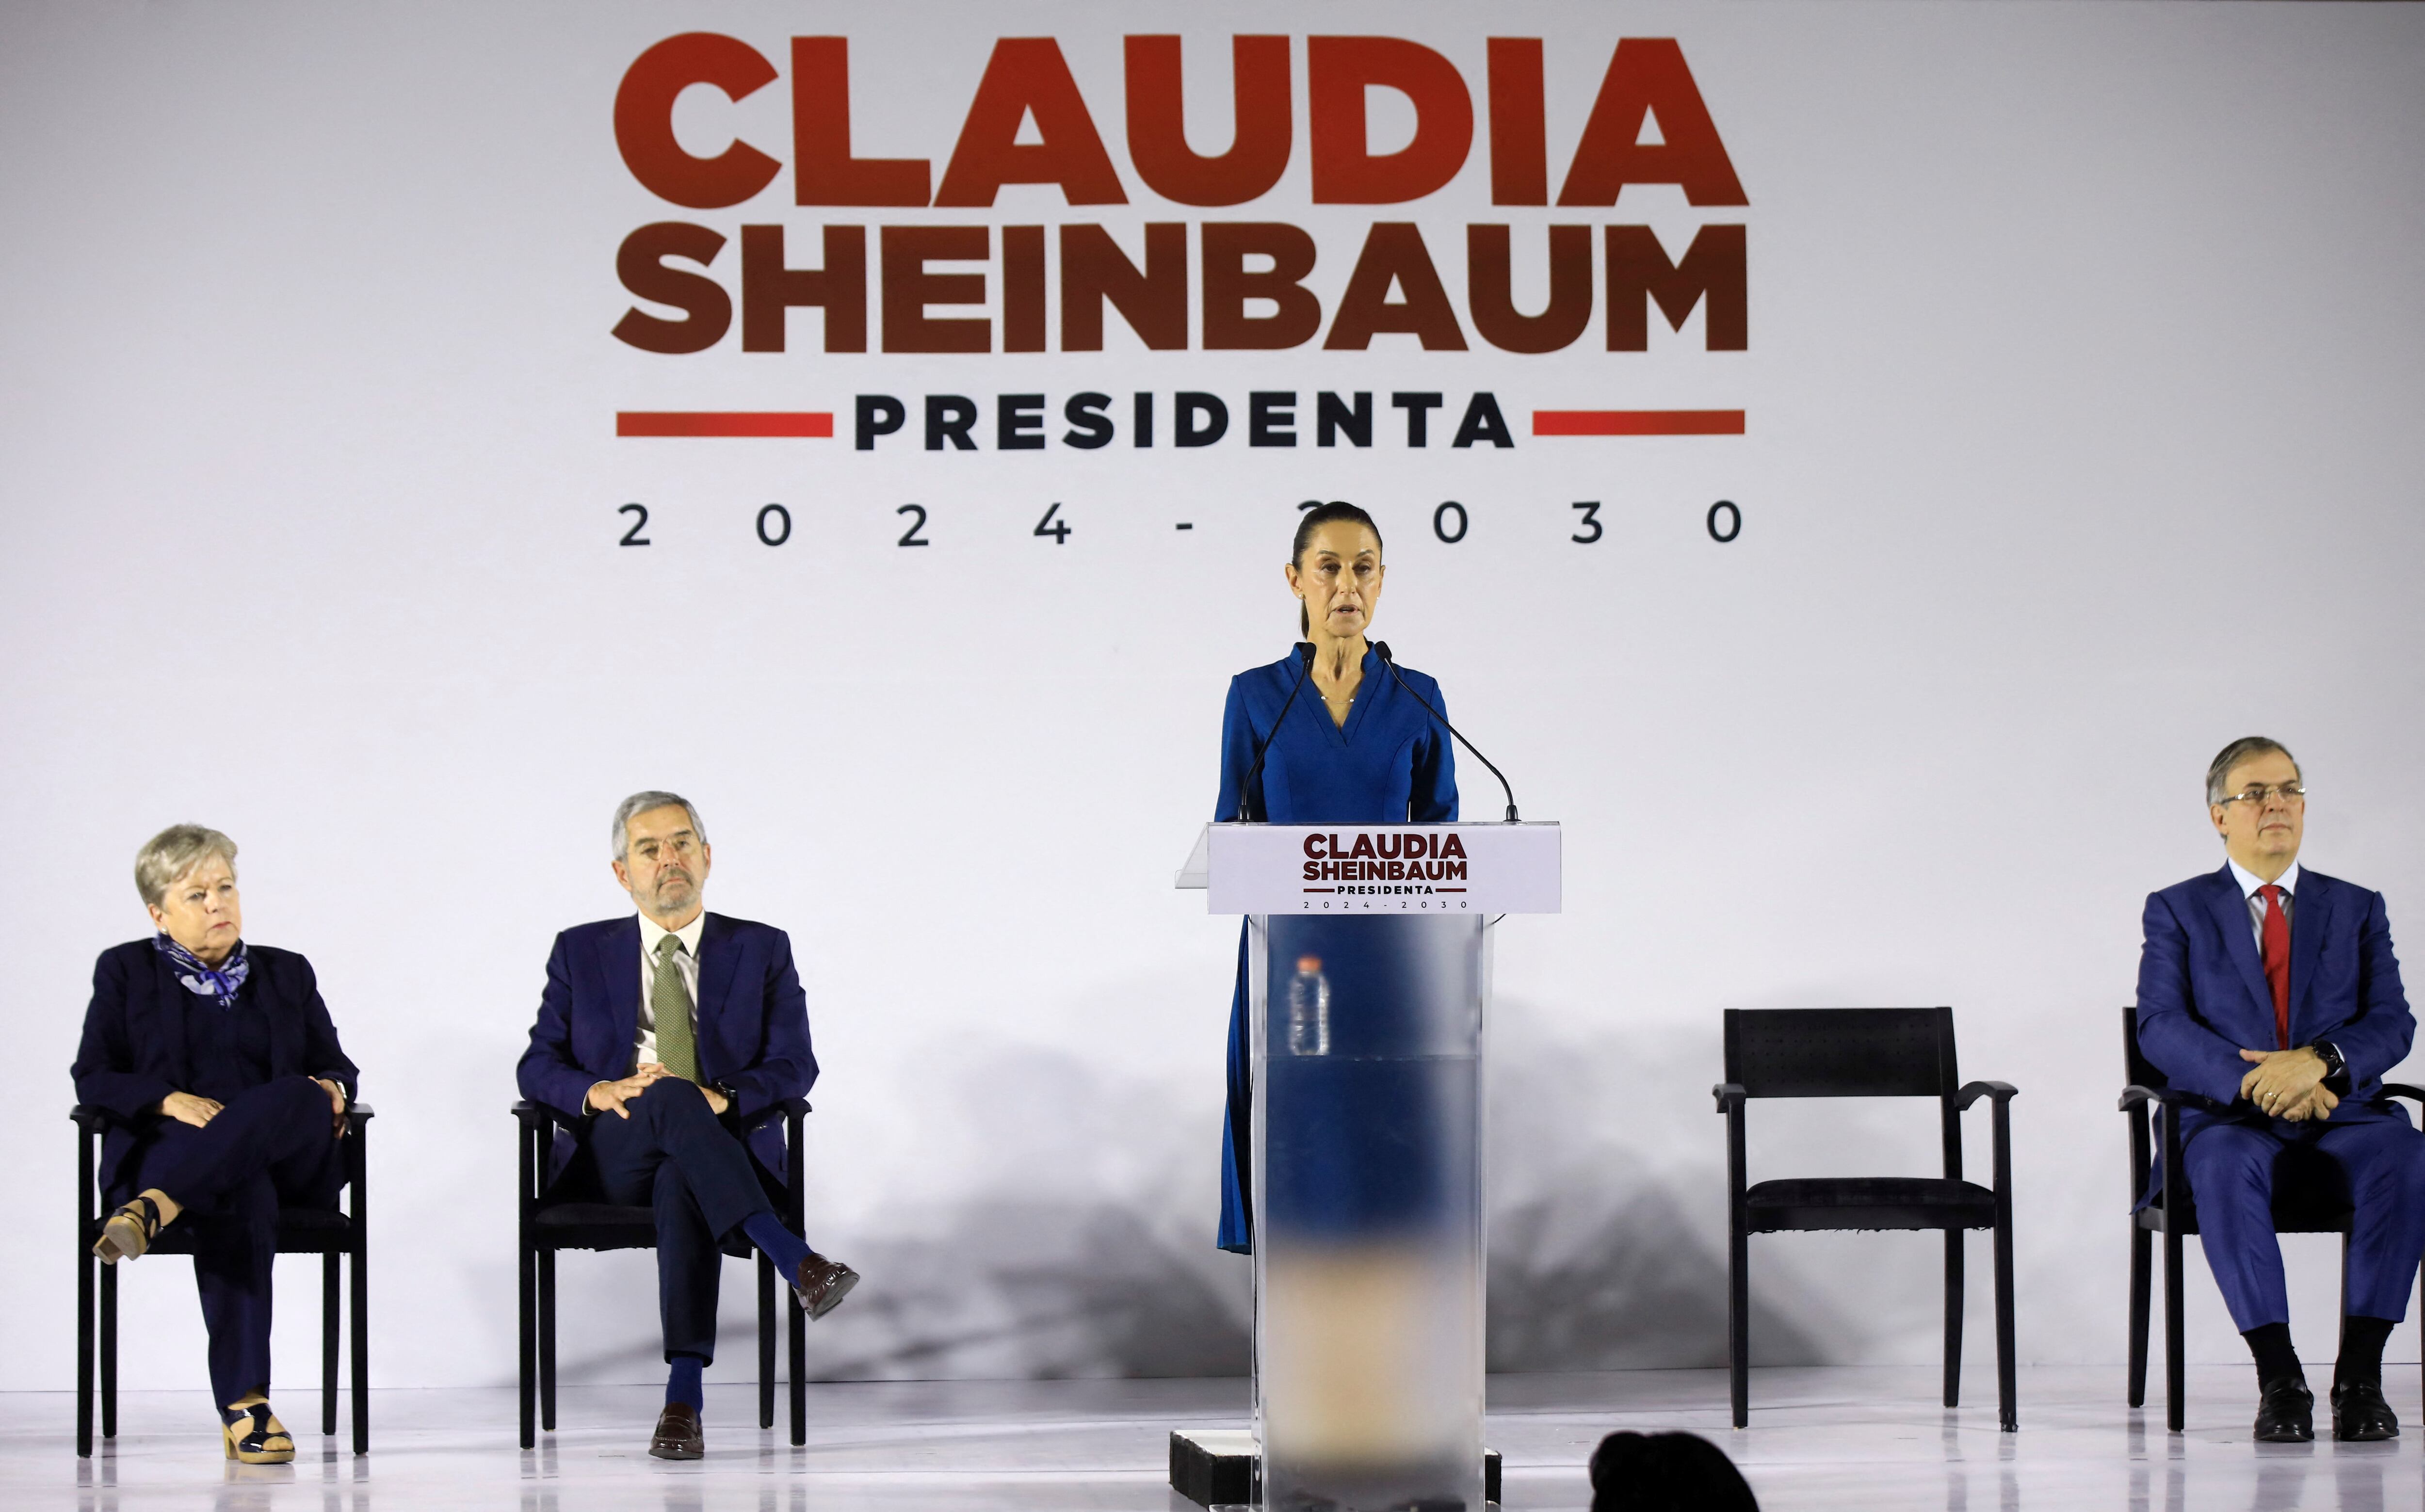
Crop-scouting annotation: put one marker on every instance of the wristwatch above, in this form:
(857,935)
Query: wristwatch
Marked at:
(2334,1064)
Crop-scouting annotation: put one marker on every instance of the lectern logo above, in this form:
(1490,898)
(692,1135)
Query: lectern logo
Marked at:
(1410,862)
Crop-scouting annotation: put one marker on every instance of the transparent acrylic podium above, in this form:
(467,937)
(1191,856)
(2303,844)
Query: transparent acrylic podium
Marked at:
(1367,962)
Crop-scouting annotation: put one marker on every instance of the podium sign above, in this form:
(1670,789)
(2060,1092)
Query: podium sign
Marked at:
(1343,869)
(1367,978)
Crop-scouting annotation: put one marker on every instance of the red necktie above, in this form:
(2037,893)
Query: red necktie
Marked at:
(2277,959)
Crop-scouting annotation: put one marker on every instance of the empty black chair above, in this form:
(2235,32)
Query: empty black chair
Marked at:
(2313,1199)
(1864,1053)
(334,1235)
(551,1221)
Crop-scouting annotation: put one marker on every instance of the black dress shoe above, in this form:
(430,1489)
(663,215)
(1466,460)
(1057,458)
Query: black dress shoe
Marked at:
(2285,1412)
(823,1283)
(679,1435)
(2360,1415)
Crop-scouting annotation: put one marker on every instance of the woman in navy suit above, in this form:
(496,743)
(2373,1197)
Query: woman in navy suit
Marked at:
(1343,741)
(229,1089)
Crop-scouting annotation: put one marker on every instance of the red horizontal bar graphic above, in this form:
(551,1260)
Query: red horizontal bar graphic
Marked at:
(722,423)
(1637,422)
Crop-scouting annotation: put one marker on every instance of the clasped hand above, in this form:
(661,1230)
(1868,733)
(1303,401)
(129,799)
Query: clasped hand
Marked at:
(2289,1084)
(199,1111)
(611,1096)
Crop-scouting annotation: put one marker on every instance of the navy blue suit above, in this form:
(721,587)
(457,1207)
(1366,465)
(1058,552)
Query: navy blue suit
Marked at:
(673,1153)
(2203,998)
(145,1036)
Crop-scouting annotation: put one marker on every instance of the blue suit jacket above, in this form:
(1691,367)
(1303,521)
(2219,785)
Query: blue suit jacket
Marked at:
(753,1023)
(2203,998)
(134,1052)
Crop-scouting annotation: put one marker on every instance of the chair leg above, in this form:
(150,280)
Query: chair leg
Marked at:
(2175,1372)
(1738,1327)
(361,1342)
(528,1266)
(766,1342)
(2142,1265)
(85,1265)
(328,1324)
(1953,1238)
(547,1340)
(799,1384)
(109,1351)
(2008,1385)
(2343,1340)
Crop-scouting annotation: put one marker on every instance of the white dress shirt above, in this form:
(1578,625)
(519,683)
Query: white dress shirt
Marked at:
(2249,882)
(685,961)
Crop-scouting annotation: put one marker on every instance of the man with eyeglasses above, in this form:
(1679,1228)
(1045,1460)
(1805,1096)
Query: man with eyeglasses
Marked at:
(669,1042)
(2269,995)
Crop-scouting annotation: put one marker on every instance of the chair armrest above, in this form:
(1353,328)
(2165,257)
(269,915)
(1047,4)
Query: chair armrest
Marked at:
(1728,1095)
(2414,1094)
(2002,1092)
(535,1116)
(358,1114)
(790,1107)
(92,1117)
(2135,1095)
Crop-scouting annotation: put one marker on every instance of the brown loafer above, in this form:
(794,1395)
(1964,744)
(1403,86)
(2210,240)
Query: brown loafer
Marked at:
(823,1283)
(679,1435)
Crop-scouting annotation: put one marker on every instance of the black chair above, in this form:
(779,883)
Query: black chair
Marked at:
(333,1236)
(2314,1201)
(556,1221)
(1864,1053)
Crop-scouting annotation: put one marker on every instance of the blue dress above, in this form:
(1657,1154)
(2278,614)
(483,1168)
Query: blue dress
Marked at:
(1390,763)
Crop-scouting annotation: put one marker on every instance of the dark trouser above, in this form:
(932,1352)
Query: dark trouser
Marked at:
(673,1153)
(269,1145)
(2231,1169)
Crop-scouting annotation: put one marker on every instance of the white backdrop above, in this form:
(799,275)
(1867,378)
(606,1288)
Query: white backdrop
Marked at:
(2085,358)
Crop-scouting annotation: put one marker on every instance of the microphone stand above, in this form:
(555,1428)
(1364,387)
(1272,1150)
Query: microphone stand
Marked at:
(1249,795)
(1382,647)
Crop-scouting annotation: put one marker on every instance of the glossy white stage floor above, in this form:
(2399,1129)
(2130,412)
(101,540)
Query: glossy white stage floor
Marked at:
(1820,1438)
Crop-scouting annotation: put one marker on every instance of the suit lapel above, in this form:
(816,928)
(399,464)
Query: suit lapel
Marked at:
(2230,908)
(169,1021)
(2311,913)
(619,955)
(285,1031)
(716,966)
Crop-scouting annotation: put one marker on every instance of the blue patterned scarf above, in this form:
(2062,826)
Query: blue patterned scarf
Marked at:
(219,981)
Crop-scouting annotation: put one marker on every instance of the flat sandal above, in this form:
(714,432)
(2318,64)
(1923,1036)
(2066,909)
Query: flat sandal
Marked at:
(128,1231)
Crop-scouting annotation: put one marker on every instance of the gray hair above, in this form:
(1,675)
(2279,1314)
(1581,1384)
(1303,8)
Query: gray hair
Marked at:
(172,853)
(2244,748)
(642,803)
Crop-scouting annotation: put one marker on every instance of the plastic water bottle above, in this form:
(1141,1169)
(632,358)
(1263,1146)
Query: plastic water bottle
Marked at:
(1309,1008)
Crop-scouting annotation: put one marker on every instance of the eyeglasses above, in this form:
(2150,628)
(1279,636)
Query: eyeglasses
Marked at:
(2259,793)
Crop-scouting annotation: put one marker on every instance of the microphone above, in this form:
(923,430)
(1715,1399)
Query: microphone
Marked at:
(1248,794)
(1382,648)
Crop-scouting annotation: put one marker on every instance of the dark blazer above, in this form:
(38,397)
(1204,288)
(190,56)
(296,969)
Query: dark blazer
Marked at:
(2203,998)
(134,1052)
(753,1021)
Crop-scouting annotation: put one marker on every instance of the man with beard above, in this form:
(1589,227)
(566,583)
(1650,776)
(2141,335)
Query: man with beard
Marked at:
(671,1041)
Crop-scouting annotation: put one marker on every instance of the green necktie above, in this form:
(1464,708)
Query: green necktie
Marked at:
(670,1003)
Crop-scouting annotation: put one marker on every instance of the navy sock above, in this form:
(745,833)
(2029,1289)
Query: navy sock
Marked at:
(2362,1341)
(781,1245)
(2275,1359)
(682,1383)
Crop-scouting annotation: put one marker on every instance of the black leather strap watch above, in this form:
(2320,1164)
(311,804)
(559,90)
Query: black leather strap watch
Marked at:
(2336,1069)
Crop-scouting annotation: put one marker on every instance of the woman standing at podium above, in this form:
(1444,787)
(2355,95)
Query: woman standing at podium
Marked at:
(1341,739)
